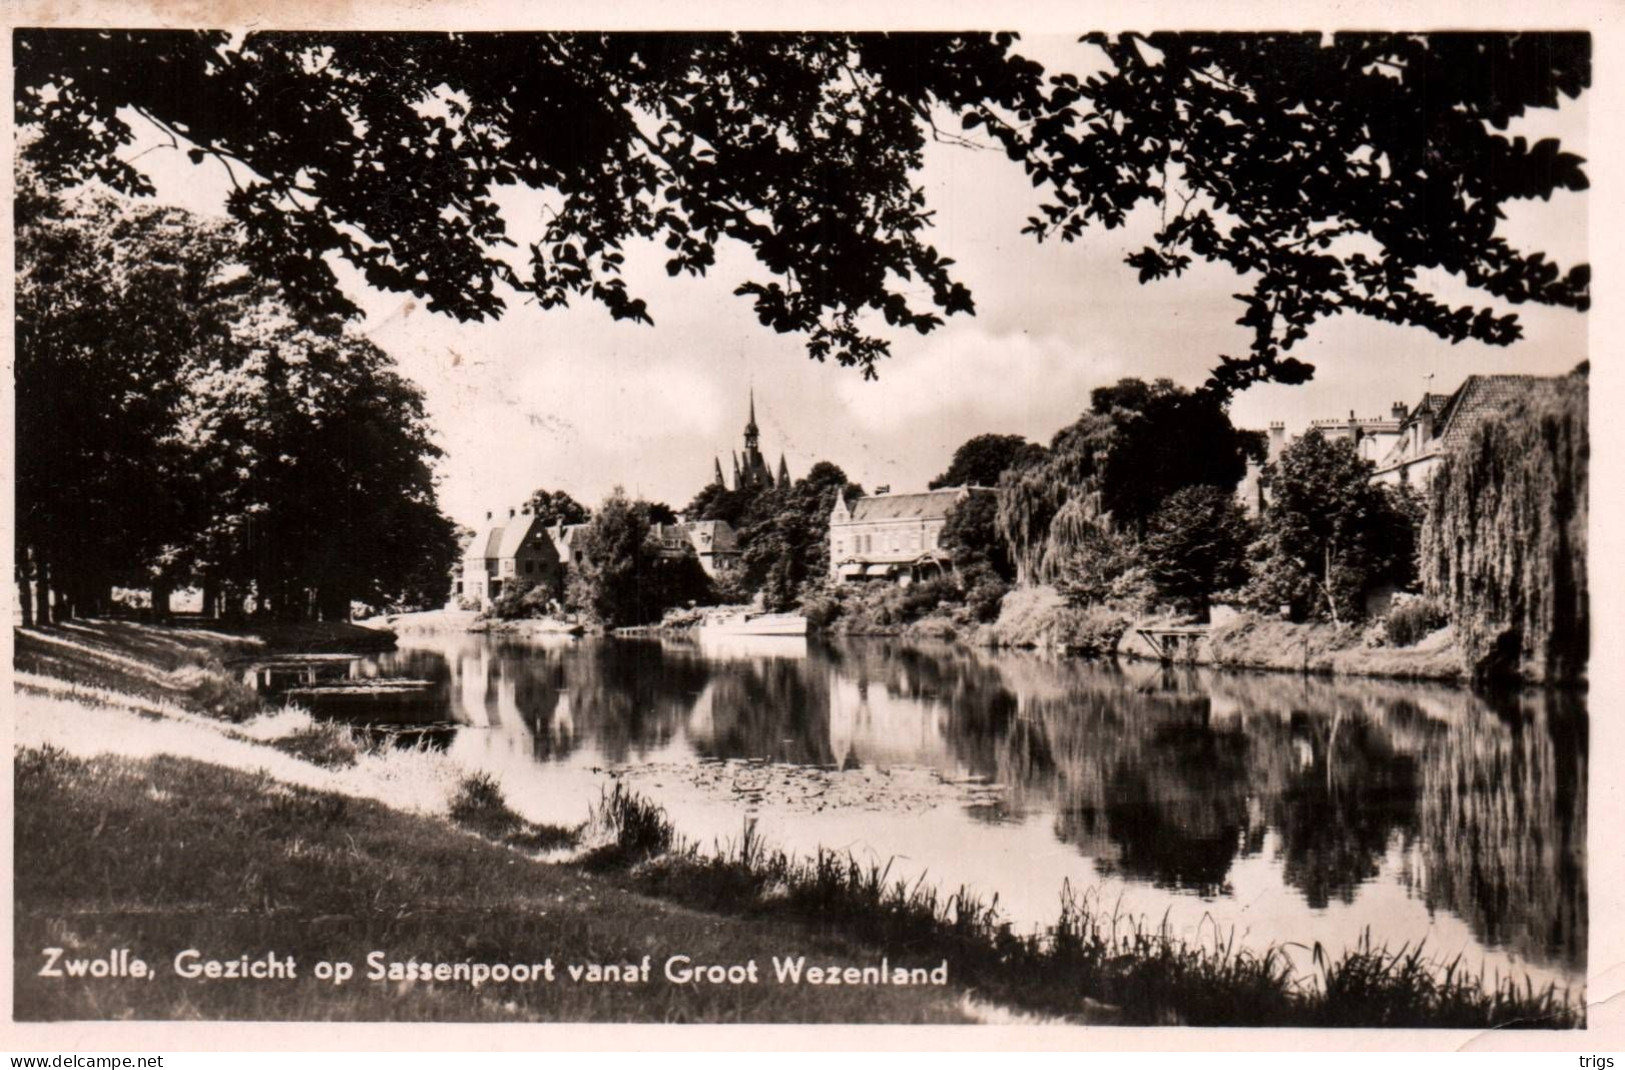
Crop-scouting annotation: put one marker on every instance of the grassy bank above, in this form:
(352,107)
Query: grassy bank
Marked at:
(1088,964)
(161,855)
(1040,618)
(1256,643)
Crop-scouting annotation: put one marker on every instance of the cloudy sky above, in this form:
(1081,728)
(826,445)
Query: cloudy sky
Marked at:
(569,399)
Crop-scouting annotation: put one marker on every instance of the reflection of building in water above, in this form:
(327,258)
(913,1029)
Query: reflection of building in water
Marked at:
(471,672)
(1169,778)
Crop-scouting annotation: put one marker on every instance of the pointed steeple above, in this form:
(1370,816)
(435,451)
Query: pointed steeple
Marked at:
(784,472)
(752,432)
(718,462)
(736,470)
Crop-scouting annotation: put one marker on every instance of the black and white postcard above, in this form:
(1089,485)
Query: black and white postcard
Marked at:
(1031,521)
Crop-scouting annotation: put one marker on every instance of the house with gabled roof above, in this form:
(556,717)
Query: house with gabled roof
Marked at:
(892,537)
(715,542)
(1441,421)
(506,551)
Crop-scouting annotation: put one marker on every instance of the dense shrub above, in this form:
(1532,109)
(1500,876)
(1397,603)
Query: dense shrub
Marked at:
(821,605)
(926,596)
(324,743)
(1412,619)
(984,598)
(219,693)
(522,598)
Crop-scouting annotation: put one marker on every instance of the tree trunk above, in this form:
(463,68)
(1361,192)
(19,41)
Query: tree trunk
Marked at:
(42,590)
(1331,599)
(25,593)
(160,600)
(334,604)
(211,598)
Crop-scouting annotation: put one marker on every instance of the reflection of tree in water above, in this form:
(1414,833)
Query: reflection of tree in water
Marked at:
(1140,778)
(629,696)
(1503,825)
(1166,777)
(1175,808)
(1345,798)
(770,709)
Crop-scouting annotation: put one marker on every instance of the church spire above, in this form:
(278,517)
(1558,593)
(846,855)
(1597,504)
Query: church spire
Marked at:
(752,432)
(718,462)
(784,472)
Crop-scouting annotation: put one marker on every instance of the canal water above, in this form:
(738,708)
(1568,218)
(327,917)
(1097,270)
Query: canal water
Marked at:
(1268,809)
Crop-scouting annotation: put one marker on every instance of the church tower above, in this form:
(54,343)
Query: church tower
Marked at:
(750,469)
(753,433)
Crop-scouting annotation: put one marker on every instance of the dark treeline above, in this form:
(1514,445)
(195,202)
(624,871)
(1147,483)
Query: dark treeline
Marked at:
(178,425)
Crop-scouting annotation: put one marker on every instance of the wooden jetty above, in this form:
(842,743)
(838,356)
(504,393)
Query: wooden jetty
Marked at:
(1172,642)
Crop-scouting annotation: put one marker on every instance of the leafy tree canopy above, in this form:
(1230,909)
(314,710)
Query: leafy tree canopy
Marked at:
(784,534)
(177,424)
(1329,533)
(659,513)
(556,507)
(1113,467)
(982,460)
(1196,544)
(389,150)
(1330,172)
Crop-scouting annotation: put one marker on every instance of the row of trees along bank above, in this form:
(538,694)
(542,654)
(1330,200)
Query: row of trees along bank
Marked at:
(1133,508)
(180,425)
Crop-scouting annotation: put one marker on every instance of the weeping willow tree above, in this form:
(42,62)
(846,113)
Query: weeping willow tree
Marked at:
(1050,507)
(1505,538)
(1081,504)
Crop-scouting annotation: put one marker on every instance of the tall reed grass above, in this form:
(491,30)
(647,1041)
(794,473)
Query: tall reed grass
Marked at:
(1088,957)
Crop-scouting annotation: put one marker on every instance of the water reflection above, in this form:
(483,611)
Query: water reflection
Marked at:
(1471,805)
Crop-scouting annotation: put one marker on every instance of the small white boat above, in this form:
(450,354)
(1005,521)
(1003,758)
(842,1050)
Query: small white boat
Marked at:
(789,624)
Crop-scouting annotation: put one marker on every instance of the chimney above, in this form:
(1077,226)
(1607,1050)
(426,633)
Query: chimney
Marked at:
(1277,438)
(510,514)
(488,514)
(1400,410)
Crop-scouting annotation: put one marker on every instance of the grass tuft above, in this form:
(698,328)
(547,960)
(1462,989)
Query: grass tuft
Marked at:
(628,828)
(479,806)
(323,743)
